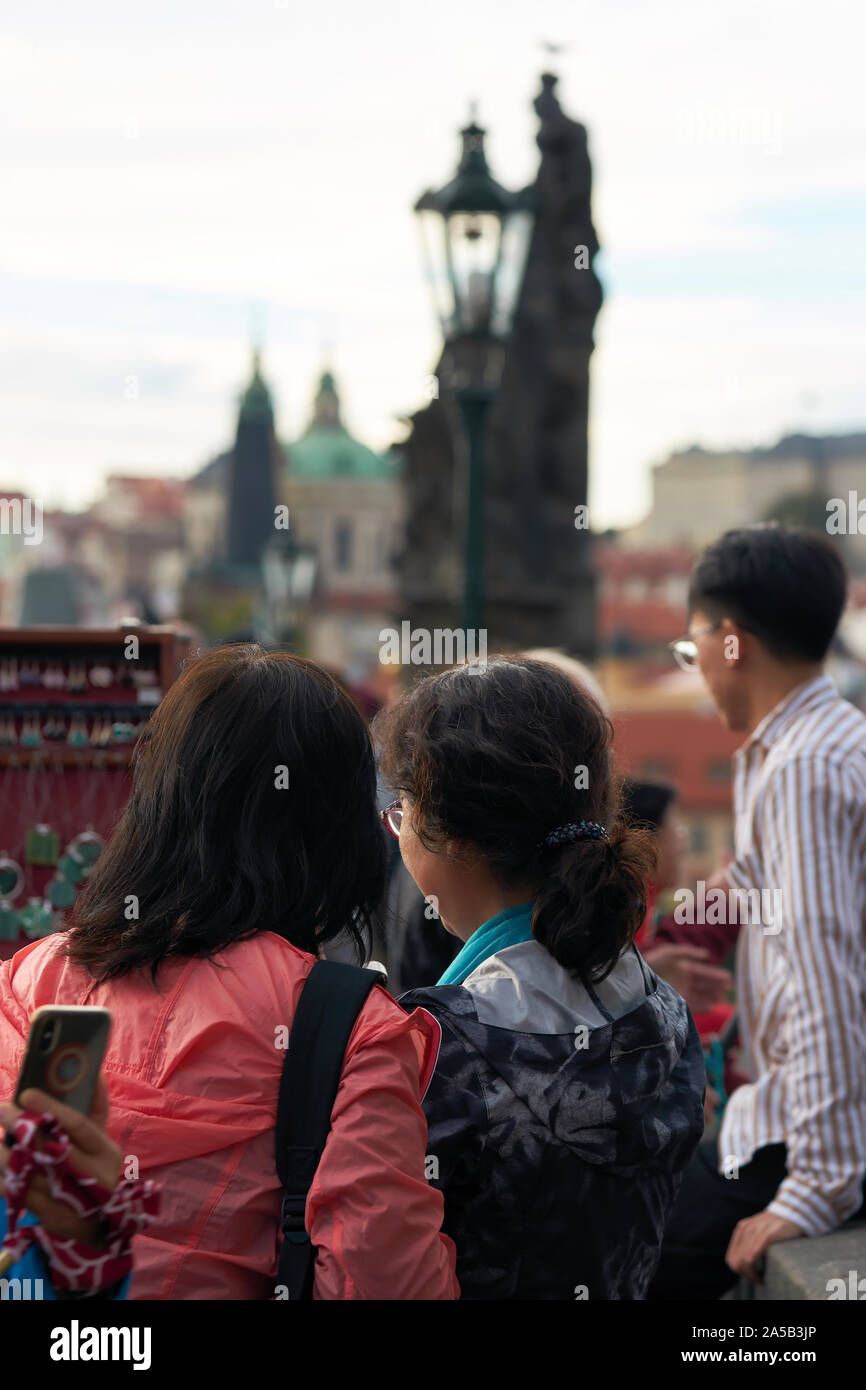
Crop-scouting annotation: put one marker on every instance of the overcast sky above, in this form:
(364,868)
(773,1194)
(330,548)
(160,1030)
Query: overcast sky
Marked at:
(165,167)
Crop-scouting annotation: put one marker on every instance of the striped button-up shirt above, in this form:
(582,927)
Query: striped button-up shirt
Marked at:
(800,802)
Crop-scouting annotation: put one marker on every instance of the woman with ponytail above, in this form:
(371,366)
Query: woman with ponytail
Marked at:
(567,1096)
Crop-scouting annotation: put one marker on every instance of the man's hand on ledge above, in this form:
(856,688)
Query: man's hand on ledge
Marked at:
(752,1239)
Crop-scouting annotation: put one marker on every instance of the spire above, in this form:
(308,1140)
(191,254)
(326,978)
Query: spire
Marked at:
(326,410)
(252,473)
(256,402)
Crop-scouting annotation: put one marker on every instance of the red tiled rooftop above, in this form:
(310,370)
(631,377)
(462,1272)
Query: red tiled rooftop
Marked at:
(614,562)
(689,749)
(154,496)
(644,620)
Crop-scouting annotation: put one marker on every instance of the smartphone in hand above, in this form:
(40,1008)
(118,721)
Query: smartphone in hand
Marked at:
(65,1048)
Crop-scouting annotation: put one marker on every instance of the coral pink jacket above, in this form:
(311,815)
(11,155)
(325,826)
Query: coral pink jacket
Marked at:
(193,1069)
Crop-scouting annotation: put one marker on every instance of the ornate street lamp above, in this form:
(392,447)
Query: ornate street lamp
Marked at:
(289,573)
(476,238)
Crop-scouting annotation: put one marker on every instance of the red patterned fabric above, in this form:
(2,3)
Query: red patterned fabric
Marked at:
(124,1212)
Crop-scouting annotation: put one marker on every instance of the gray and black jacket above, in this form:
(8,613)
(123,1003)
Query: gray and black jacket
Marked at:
(561,1118)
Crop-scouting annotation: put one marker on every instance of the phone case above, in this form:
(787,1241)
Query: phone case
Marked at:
(64,1053)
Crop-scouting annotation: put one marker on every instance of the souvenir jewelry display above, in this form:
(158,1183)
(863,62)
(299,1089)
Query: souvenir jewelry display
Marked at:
(71,866)
(37,918)
(12,874)
(31,733)
(83,849)
(54,729)
(146,681)
(80,854)
(9,673)
(11,884)
(53,678)
(100,734)
(87,846)
(76,681)
(78,737)
(60,892)
(56,697)
(42,845)
(29,674)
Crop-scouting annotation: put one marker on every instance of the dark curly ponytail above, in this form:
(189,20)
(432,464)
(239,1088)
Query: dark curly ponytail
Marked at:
(502,757)
(591,899)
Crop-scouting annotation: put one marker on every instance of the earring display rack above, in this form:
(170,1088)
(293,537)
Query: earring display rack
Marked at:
(73,702)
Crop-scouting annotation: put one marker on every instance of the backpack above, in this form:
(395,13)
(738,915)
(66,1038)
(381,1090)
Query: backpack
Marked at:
(331,1000)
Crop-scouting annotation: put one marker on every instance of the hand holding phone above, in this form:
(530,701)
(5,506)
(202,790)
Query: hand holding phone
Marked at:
(91,1153)
(60,1076)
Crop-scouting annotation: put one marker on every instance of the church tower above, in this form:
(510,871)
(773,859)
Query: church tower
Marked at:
(252,476)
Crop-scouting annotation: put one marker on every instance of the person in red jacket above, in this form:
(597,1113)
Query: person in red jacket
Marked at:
(694,971)
(251,839)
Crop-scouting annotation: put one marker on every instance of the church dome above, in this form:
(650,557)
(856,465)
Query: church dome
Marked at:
(326,449)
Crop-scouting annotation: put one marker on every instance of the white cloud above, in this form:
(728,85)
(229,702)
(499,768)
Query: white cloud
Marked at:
(249,151)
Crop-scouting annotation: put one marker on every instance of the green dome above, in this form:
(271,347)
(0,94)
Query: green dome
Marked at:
(327,450)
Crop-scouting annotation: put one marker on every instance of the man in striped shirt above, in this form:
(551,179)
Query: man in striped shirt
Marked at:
(790,1159)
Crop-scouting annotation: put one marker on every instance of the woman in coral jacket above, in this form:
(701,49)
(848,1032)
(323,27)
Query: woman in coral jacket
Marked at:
(250,839)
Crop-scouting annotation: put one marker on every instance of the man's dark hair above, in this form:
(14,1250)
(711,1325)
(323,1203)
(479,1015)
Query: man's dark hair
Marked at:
(788,586)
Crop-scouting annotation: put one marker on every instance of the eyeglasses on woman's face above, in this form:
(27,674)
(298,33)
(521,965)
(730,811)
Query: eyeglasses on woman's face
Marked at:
(685,649)
(393,817)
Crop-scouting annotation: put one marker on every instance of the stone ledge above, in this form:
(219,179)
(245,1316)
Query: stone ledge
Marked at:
(799,1270)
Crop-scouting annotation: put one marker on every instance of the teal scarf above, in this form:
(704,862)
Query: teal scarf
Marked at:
(508,928)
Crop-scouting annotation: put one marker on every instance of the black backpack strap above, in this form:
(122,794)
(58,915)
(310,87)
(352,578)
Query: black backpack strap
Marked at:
(330,1003)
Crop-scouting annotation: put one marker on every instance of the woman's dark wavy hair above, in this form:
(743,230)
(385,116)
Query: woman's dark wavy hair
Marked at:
(491,757)
(211,846)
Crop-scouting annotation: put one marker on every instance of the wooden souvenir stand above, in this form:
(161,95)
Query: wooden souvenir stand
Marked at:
(72,704)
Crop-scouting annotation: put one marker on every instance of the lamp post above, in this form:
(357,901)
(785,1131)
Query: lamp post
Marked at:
(475,235)
(289,573)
